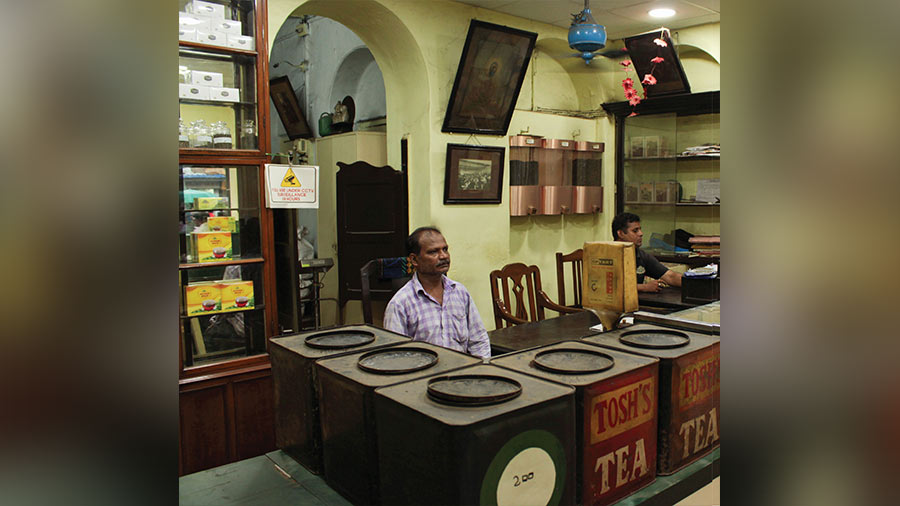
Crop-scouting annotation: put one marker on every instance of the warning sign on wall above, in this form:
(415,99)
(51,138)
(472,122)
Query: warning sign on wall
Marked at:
(292,186)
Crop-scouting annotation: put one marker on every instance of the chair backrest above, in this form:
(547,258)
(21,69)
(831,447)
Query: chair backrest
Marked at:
(575,258)
(397,270)
(517,283)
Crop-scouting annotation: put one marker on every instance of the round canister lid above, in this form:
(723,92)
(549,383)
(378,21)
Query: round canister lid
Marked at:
(397,361)
(473,389)
(573,361)
(340,339)
(655,338)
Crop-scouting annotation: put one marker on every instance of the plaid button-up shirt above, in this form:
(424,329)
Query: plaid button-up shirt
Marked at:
(456,324)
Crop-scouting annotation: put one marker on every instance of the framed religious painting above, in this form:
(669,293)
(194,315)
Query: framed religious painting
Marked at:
(474,174)
(289,109)
(488,80)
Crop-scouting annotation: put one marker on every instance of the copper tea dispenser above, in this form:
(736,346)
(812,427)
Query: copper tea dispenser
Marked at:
(524,193)
(587,177)
(555,180)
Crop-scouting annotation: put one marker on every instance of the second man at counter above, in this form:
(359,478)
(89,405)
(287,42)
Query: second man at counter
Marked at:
(433,308)
(627,227)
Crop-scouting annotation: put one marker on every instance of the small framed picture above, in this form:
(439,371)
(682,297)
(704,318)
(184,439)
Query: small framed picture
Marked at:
(646,193)
(651,146)
(631,193)
(662,193)
(474,174)
(637,147)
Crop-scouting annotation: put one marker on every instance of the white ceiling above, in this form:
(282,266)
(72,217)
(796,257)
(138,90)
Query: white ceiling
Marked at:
(620,17)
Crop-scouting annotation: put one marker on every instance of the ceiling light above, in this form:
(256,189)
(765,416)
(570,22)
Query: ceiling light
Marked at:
(662,13)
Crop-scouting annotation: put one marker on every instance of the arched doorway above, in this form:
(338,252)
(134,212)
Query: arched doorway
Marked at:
(387,48)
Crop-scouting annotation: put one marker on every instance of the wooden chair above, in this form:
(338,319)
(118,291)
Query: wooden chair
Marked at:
(396,270)
(577,268)
(518,281)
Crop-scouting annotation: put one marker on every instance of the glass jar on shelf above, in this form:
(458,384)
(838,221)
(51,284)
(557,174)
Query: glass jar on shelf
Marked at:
(222,136)
(183,139)
(248,134)
(202,137)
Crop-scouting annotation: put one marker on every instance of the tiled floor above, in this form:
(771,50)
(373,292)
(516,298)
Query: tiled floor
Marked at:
(706,496)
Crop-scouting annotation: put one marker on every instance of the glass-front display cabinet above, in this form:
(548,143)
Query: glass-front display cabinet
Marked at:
(668,174)
(217,76)
(221,274)
(225,272)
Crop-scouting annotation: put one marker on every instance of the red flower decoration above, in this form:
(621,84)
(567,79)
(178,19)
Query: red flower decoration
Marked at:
(645,93)
(632,114)
(627,83)
(649,79)
(658,59)
(635,100)
(630,93)
(660,42)
(626,63)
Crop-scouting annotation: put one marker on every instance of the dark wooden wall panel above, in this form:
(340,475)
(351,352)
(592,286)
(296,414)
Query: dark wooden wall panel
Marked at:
(254,416)
(226,418)
(204,429)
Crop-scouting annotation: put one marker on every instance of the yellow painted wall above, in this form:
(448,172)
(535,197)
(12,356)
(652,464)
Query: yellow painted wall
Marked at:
(417,45)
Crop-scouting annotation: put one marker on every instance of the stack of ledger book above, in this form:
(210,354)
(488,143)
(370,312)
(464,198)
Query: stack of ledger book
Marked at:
(705,245)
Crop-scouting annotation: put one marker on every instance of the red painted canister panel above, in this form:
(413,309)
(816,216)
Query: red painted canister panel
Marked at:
(688,426)
(615,412)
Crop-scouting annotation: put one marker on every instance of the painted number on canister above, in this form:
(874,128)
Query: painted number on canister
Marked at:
(530,469)
(529,478)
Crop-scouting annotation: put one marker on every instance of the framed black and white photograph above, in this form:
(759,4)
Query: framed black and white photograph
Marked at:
(488,79)
(474,174)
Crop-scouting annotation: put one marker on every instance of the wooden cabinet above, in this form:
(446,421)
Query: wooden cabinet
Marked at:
(350,147)
(667,170)
(226,268)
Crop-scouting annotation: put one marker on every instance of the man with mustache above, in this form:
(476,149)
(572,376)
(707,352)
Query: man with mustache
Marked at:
(433,308)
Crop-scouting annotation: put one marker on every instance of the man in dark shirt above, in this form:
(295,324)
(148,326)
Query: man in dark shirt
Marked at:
(627,227)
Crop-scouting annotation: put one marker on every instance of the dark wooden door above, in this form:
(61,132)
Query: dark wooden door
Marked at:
(372,222)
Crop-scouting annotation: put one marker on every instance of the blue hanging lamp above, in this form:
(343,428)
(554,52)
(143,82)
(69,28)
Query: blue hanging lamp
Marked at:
(585,35)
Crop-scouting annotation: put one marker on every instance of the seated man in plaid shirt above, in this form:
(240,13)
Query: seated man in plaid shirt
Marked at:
(433,308)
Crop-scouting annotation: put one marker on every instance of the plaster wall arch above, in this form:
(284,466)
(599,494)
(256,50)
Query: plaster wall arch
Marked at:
(358,76)
(405,78)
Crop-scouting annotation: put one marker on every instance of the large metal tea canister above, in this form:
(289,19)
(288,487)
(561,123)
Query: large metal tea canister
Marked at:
(478,435)
(688,388)
(346,387)
(297,428)
(615,414)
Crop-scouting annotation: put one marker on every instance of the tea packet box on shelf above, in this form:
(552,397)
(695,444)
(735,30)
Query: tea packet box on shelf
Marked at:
(213,246)
(219,94)
(221,224)
(202,298)
(237,295)
(226,26)
(206,203)
(193,91)
(240,42)
(201,78)
(208,9)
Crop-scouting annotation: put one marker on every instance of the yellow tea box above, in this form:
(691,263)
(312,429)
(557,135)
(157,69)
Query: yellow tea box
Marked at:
(204,203)
(213,246)
(609,279)
(237,295)
(202,298)
(221,224)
